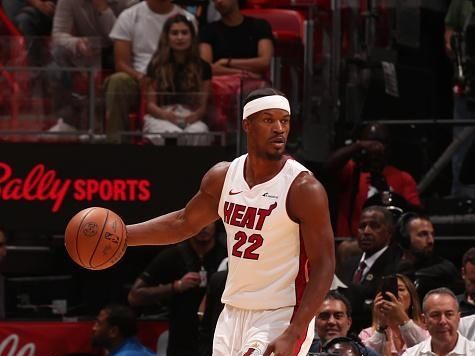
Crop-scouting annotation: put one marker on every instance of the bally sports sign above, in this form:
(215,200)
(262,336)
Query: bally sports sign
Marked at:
(43,185)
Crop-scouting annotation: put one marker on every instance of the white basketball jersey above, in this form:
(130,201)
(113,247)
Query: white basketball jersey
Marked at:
(267,259)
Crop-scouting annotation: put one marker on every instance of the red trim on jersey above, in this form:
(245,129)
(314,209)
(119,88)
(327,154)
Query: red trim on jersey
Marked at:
(300,284)
(249,352)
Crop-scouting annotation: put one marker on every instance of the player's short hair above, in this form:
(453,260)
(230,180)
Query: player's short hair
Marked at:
(261,92)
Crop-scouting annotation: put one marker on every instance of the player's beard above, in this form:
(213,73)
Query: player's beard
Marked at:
(271,156)
(274,156)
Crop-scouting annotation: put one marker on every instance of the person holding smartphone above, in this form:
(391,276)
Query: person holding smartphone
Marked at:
(397,322)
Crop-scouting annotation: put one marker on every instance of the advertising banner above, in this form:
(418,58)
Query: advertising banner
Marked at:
(43,185)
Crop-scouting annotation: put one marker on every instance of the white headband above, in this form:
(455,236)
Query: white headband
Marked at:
(265,102)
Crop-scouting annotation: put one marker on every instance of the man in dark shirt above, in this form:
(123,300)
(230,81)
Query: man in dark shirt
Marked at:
(415,234)
(179,274)
(115,330)
(237,43)
(467,300)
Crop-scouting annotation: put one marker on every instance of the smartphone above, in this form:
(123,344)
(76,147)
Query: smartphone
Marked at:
(389,284)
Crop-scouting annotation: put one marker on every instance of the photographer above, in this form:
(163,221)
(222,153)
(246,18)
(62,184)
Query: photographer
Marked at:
(458,22)
(362,171)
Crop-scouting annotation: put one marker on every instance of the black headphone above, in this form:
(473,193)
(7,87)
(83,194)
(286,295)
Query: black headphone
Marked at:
(401,232)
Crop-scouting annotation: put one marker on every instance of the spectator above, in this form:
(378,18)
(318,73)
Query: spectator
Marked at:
(81,31)
(115,330)
(378,258)
(334,321)
(415,234)
(362,171)
(441,318)
(467,299)
(3,253)
(31,17)
(459,16)
(135,35)
(239,49)
(176,275)
(397,322)
(80,39)
(237,43)
(178,87)
(212,310)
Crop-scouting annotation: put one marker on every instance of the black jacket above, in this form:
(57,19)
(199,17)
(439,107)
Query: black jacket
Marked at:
(361,296)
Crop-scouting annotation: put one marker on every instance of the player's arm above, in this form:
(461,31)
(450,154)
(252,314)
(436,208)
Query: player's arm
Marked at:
(308,205)
(179,225)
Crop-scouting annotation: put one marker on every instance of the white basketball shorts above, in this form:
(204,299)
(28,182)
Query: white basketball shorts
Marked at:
(242,332)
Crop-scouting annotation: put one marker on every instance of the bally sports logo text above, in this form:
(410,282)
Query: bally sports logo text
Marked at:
(43,184)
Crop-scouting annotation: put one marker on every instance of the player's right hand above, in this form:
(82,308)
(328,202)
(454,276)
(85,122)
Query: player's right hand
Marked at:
(190,280)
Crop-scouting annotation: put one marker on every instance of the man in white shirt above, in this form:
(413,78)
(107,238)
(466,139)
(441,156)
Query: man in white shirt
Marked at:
(135,34)
(441,316)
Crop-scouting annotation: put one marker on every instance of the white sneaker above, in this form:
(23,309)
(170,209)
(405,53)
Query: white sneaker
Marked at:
(61,126)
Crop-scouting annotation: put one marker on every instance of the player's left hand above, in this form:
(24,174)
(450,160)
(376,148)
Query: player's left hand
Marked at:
(282,346)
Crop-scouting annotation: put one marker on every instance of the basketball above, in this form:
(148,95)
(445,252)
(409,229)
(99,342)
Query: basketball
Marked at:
(95,238)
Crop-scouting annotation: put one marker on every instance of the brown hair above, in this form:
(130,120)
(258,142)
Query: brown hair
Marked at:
(163,67)
(415,307)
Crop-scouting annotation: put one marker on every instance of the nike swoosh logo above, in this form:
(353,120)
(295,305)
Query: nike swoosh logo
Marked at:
(234,193)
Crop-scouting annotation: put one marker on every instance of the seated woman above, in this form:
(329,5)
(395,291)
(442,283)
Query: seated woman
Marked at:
(397,322)
(178,83)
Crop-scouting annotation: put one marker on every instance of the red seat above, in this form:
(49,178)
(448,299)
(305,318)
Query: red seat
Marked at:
(286,24)
(321,4)
(7,28)
(14,85)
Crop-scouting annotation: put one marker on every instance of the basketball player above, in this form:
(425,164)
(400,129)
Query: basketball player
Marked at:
(279,237)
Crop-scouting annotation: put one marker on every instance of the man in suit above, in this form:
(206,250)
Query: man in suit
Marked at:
(378,258)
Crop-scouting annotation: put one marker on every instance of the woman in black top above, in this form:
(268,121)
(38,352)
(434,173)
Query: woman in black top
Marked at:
(178,84)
